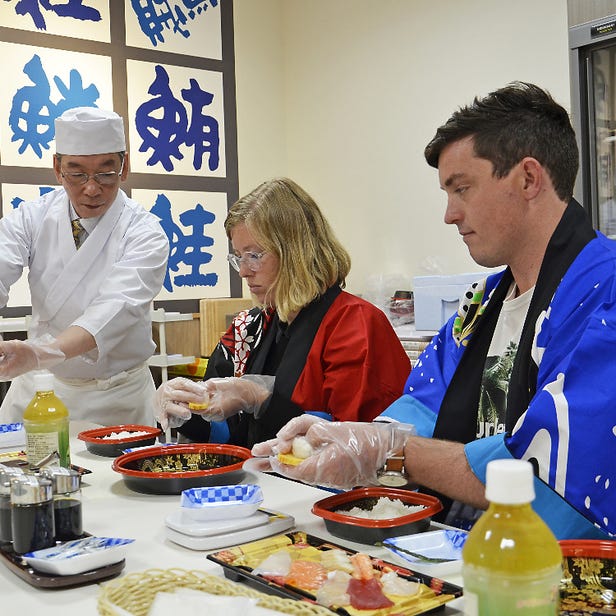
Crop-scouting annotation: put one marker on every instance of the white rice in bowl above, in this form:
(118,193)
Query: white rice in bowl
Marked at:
(124,434)
(384,509)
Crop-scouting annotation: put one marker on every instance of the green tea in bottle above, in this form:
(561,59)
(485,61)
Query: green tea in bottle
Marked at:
(512,563)
(46,423)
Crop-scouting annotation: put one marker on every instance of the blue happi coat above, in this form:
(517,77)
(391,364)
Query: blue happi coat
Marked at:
(567,427)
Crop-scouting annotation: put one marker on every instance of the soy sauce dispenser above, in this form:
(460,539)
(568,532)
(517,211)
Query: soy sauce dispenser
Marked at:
(66,483)
(6,475)
(32,516)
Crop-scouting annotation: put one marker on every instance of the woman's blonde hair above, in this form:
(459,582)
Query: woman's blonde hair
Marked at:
(285,220)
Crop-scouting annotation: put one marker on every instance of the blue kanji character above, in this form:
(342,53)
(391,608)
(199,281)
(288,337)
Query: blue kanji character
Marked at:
(199,5)
(70,8)
(203,131)
(162,209)
(194,256)
(32,113)
(152,21)
(164,135)
(74,9)
(186,249)
(75,95)
(31,107)
(17,201)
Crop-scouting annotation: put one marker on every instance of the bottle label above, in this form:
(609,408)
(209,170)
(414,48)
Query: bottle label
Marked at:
(40,444)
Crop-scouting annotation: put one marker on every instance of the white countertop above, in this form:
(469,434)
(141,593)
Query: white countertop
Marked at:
(110,509)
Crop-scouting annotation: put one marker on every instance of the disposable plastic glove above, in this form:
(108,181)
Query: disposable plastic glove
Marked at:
(347,454)
(228,396)
(18,356)
(283,443)
(172,399)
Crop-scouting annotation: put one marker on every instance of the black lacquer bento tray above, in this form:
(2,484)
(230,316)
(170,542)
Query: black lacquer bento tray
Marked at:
(52,581)
(443,591)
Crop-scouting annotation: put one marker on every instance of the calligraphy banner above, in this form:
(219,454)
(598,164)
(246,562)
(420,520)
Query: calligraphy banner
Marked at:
(179,119)
(193,221)
(191,27)
(40,84)
(88,19)
(161,66)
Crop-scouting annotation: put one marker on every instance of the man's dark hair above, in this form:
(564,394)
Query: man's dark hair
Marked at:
(508,124)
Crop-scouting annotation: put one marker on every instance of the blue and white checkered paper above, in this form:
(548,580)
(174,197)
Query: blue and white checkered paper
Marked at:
(222,495)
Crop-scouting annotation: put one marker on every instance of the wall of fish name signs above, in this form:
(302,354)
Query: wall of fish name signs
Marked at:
(168,69)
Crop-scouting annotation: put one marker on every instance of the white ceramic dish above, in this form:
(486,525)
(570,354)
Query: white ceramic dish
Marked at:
(77,556)
(221,502)
(223,533)
(180,521)
(438,544)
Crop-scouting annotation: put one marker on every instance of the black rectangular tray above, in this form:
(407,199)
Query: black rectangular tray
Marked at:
(53,581)
(244,574)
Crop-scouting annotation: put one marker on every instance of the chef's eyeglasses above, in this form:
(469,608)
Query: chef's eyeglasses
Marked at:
(107,178)
(252,260)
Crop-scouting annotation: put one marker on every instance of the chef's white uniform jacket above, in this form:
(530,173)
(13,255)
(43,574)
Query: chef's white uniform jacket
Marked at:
(106,287)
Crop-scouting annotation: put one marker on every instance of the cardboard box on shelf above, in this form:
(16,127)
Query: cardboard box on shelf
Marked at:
(181,337)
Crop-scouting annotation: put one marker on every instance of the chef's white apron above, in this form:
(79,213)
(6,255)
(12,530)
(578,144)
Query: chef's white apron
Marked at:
(125,398)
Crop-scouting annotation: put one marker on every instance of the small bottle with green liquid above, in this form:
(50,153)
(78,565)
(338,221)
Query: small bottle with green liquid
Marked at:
(512,563)
(46,423)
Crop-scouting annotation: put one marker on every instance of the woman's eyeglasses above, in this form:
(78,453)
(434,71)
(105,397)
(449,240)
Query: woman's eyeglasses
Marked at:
(252,260)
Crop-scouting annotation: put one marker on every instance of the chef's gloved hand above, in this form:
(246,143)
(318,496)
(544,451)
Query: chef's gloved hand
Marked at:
(172,399)
(19,356)
(228,396)
(346,454)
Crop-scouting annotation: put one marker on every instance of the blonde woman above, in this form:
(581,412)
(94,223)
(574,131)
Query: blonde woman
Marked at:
(308,347)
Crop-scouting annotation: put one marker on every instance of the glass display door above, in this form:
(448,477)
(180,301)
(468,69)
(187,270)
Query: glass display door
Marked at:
(593,105)
(602,125)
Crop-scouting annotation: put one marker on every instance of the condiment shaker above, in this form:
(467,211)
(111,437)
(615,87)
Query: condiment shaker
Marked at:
(32,519)
(67,510)
(6,474)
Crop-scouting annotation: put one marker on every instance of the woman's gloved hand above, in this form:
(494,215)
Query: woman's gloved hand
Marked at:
(346,454)
(172,399)
(214,399)
(228,396)
(19,356)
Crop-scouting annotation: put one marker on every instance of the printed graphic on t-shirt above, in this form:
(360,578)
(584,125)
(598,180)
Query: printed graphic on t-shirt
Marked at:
(494,387)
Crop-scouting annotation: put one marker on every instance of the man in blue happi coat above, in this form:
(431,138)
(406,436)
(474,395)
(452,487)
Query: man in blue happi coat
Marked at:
(527,367)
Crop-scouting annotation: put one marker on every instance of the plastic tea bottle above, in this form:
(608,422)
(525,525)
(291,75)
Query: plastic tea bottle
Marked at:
(512,563)
(46,423)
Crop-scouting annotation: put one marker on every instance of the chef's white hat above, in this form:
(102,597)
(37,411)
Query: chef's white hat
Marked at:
(89,130)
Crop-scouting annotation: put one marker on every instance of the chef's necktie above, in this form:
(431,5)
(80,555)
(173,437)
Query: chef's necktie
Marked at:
(77,229)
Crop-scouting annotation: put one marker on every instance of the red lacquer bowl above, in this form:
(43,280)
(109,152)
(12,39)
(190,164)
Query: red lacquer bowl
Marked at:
(101,441)
(173,468)
(364,530)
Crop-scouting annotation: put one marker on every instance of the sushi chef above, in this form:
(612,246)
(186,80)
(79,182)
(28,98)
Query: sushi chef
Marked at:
(96,260)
